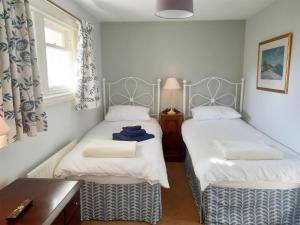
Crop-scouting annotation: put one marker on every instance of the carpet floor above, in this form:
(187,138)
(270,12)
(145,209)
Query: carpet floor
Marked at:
(178,203)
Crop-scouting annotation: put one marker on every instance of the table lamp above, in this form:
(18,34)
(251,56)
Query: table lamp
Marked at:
(171,85)
(4,129)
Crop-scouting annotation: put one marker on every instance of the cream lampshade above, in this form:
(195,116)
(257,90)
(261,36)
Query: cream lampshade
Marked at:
(4,129)
(172,85)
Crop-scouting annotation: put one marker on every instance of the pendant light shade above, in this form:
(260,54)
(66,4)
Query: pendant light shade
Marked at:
(174,9)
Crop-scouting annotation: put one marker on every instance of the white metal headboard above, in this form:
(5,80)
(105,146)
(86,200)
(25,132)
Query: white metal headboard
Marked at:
(212,97)
(127,89)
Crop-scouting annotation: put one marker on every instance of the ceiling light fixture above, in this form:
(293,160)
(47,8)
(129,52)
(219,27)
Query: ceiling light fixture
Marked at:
(174,9)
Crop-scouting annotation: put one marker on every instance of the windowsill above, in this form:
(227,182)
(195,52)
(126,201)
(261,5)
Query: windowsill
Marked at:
(54,99)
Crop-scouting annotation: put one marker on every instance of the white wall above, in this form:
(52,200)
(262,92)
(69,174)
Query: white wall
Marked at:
(187,50)
(65,124)
(277,115)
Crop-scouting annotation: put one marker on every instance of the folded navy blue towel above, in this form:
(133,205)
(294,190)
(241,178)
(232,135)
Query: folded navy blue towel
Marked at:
(121,137)
(132,128)
(133,133)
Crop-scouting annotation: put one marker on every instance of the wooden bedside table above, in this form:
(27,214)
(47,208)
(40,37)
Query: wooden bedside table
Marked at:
(172,139)
(55,202)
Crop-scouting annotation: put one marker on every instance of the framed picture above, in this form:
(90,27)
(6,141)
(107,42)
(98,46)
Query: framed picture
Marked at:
(273,67)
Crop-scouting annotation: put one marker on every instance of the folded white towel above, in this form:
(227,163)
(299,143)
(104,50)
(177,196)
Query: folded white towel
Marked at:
(239,150)
(110,149)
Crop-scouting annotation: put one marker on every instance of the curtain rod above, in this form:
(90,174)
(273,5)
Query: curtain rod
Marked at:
(62,9)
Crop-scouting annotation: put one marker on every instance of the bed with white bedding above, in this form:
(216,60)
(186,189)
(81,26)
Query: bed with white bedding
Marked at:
(121,188)
(248,192)
(118,188)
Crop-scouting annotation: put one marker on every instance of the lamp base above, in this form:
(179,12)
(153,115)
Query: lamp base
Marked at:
(171,112)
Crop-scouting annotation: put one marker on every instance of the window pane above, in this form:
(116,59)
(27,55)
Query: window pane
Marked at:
(54,37)
(59,64)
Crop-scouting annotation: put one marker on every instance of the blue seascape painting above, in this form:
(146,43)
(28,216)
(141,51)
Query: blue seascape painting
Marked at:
(272,63)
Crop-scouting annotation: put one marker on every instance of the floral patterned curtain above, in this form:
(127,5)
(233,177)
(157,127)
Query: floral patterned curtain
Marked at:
(21,101)
(87,94)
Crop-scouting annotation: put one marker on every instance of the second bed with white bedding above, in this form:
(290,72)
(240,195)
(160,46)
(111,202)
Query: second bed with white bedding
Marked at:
(249,192)
(147,166)
(211,168)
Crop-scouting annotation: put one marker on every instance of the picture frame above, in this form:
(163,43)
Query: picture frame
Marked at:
(273,66)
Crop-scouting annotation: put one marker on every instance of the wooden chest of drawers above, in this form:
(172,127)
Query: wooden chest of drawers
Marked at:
(55,202)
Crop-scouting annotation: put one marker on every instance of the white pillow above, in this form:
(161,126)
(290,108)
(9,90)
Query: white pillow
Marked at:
(214,113)
(127,112)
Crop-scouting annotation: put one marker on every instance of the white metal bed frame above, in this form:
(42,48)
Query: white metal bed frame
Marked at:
(213,98)
(130,96)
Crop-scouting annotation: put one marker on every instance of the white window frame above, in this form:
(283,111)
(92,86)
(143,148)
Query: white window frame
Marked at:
(58,94)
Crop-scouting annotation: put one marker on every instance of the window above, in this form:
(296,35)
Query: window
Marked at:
(56,35)
(59,55)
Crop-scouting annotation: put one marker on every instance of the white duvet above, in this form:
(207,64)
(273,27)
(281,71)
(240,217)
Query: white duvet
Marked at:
(211,168)
(148,165)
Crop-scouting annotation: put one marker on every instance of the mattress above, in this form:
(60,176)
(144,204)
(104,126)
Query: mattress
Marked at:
(148,165)
(212,169)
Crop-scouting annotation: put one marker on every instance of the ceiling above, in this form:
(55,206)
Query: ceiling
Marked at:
(143,10)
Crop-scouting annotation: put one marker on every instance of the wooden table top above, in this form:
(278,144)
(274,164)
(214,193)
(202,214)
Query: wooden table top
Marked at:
(49,197)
